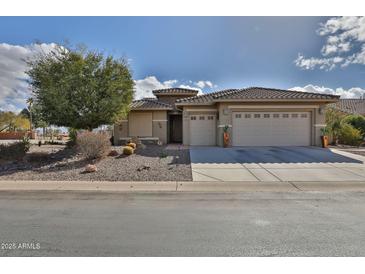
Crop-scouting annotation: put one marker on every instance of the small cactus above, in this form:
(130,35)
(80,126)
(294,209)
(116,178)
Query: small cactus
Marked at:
(132,145)
(127,150)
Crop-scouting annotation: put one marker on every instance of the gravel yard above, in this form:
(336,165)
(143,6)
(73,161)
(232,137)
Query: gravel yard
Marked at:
(56,162)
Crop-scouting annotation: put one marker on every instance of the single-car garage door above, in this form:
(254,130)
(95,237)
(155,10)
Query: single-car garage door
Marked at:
(202,130)
(271,129)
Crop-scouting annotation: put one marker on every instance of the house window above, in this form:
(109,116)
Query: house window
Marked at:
(247,115)
(256,115)
(275,115)
(210,117)
(303,115)
(294,115)
(238,115)
(201,118)
(192,118)
(266,115)
(286,115)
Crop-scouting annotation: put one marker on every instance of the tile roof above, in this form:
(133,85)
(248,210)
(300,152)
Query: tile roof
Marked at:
(149,103)
(352,106)
(176,91)
(256,93)
(205,98)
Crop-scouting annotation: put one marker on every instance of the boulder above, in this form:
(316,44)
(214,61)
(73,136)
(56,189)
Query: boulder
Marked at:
(113,153)
(91,168)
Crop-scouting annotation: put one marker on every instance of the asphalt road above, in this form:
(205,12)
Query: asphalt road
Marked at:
(182,224)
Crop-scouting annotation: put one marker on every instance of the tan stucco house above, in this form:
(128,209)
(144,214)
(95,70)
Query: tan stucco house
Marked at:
(255,117)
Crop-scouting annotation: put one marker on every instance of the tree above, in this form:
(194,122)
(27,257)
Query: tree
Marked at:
(30,104)
(37,119)
(9,121)
(79,88)
(333,121)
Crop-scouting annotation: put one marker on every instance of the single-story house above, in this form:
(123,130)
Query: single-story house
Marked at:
(350,106)
(254,116)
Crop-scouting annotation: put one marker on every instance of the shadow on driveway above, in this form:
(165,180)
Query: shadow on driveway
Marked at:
(263,155)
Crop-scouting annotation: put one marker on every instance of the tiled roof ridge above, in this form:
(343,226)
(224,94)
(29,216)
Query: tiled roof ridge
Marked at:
(161,90)
(291,90)
(205,95)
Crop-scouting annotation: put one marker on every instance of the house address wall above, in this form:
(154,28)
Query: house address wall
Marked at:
(159,127)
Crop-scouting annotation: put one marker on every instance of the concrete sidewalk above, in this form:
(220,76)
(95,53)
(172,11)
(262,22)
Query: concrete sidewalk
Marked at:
(211,187)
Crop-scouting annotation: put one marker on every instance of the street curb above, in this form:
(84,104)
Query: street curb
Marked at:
(179,187)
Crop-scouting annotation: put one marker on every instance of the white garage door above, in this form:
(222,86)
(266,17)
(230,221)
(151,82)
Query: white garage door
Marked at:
(271,128)
(202,130)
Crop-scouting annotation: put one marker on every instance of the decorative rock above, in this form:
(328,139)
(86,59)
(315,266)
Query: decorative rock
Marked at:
(144,167)
(91,168)
(113,153)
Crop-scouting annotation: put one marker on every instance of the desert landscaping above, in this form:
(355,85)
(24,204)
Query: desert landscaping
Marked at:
(58,162)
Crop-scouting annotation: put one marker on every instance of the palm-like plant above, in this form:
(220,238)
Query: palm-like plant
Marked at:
(334,123)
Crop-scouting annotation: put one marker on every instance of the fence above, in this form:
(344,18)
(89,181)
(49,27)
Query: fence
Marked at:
(16,135)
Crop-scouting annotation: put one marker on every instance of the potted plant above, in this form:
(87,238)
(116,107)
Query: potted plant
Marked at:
(225,136)
(324,137)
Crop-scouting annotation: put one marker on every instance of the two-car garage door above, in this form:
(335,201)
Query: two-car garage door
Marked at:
(271,129)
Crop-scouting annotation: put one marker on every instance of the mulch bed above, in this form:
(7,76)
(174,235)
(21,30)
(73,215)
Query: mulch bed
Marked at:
(56,162)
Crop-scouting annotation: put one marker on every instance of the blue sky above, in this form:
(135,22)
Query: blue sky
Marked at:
(209,53)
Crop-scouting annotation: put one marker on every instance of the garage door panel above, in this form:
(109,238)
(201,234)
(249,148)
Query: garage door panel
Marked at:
(271,128)
(202,130)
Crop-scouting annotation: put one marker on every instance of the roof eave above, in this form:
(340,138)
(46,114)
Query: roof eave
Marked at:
(151,109)
(194,103)
(278,100)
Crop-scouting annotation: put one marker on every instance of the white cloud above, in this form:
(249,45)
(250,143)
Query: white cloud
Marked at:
(13,88)
(144,87)
(354,92)
(202,84)
(200,92)
(343,35)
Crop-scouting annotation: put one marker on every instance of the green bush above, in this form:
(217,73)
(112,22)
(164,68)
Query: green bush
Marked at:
(15,151)
(348,135)
(73,137)
(357,121)
(93,145)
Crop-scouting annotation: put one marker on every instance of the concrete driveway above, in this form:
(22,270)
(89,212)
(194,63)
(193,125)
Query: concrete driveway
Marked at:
(280,164)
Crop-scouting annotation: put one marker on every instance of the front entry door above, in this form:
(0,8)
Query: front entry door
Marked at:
(175,128)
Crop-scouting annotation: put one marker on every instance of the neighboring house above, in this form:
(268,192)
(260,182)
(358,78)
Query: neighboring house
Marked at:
(350,106)
(255,116)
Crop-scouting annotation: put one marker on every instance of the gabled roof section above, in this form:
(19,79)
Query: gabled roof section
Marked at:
(175,91)
(149,104)
(351,106)
(256,93)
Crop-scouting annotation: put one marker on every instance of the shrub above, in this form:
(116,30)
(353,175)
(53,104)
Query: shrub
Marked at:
(357,121)
(93,145)
(15,151)
(132,145)
(348,135)
(127,150)
(73,137)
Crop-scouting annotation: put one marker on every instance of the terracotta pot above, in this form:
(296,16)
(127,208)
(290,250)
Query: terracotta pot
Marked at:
(324,140)
(225,139)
